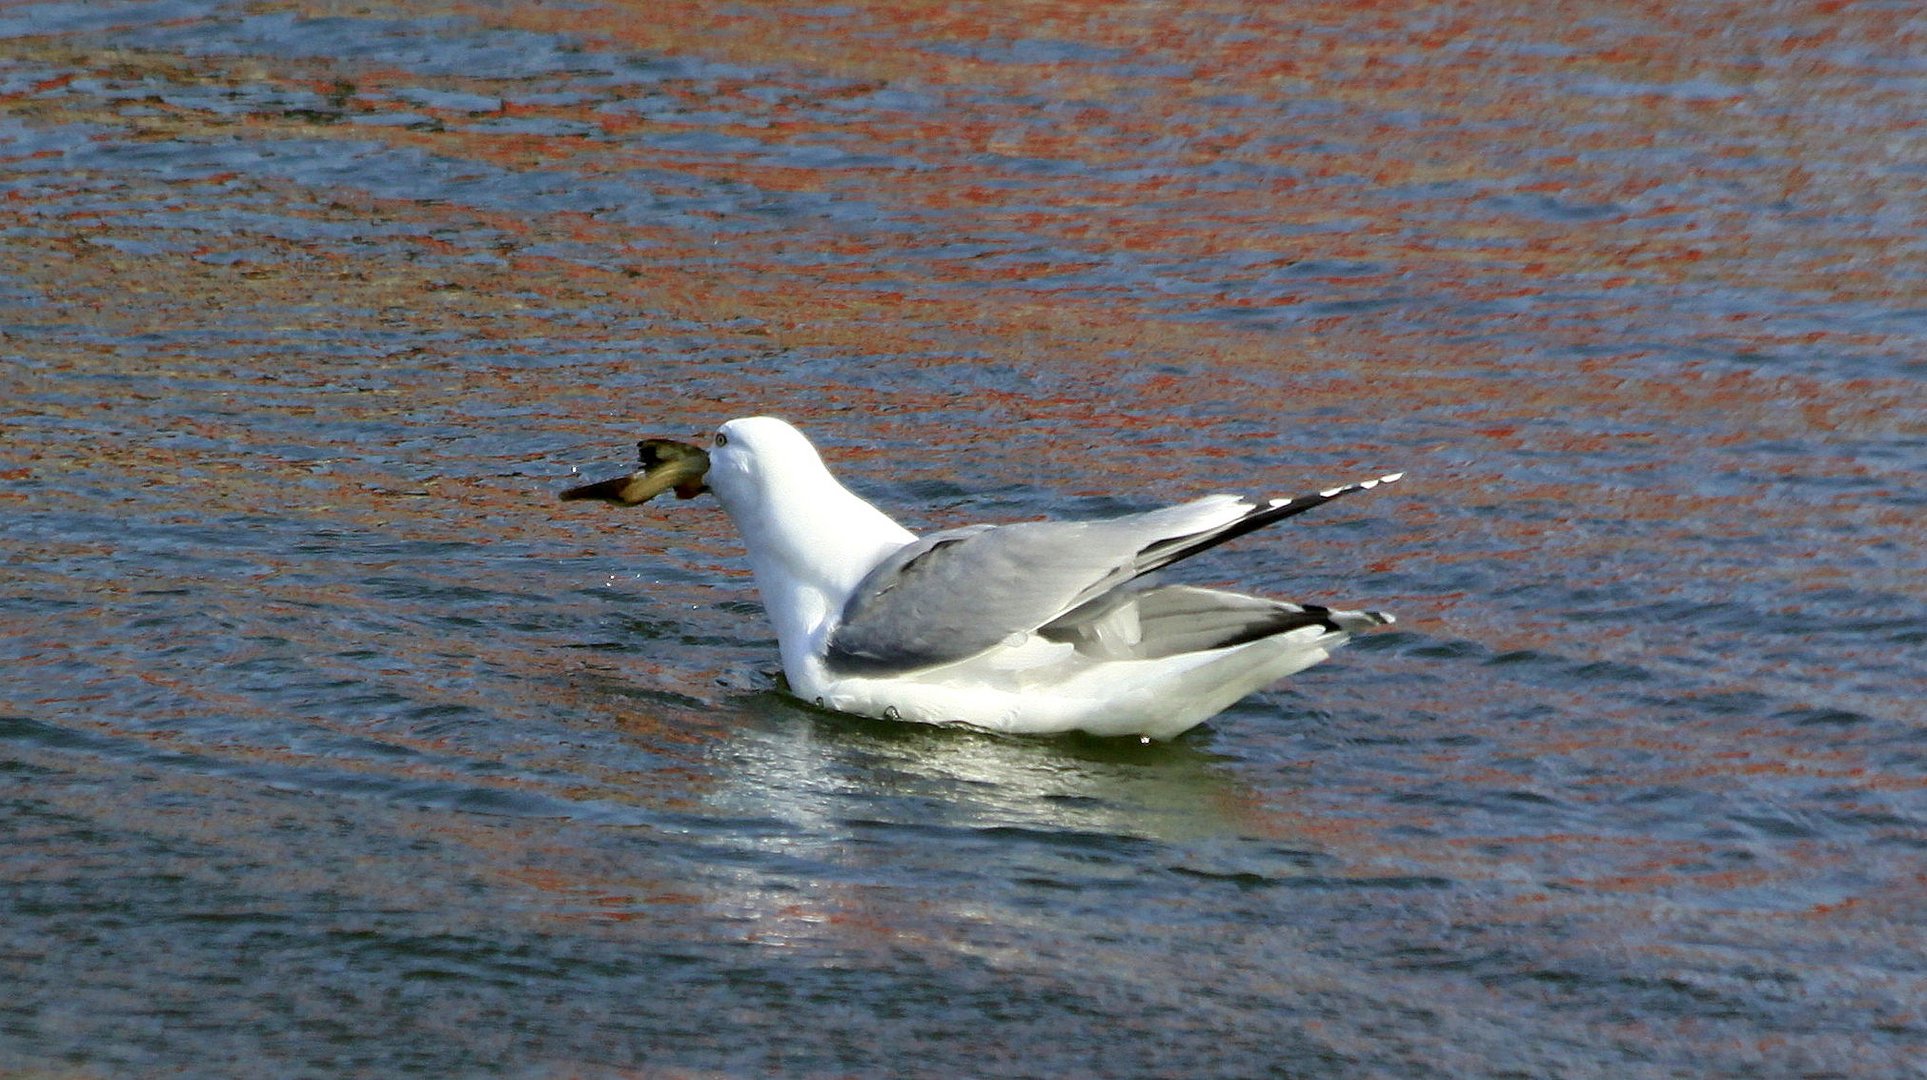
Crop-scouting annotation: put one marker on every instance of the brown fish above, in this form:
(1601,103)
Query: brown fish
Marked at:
(666,465)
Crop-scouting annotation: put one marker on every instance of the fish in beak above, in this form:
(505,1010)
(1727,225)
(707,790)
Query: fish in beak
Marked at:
(666,465)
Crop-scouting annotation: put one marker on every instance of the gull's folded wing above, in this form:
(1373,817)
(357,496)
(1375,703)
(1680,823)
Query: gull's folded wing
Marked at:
(954,594)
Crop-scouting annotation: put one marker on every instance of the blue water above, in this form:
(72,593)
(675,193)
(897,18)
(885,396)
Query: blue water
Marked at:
(331,744)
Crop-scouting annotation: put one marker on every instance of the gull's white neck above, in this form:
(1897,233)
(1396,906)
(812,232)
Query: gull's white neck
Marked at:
(810,541)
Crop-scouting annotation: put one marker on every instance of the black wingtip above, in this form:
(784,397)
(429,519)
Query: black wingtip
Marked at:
(1259,516)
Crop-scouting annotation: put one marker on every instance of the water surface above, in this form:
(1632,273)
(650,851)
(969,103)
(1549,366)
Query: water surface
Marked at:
(331,744)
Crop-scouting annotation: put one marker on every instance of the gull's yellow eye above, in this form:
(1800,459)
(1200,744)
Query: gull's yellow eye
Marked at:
(722,439)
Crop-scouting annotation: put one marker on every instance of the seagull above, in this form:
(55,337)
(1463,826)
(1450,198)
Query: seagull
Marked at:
(1032,628)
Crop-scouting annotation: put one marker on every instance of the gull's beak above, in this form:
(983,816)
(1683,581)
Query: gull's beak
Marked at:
(666,465)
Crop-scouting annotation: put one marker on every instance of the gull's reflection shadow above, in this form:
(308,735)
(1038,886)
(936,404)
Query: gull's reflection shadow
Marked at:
(827,831)
(834,771)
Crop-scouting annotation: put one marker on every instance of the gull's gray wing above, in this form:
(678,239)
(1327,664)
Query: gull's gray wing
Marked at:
(955,593)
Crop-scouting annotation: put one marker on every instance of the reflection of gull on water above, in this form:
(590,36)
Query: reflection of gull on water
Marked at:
(861,809)
(1034,627)
(822,775)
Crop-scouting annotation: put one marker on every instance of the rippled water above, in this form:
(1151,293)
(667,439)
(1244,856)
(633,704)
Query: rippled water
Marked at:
(331,744)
